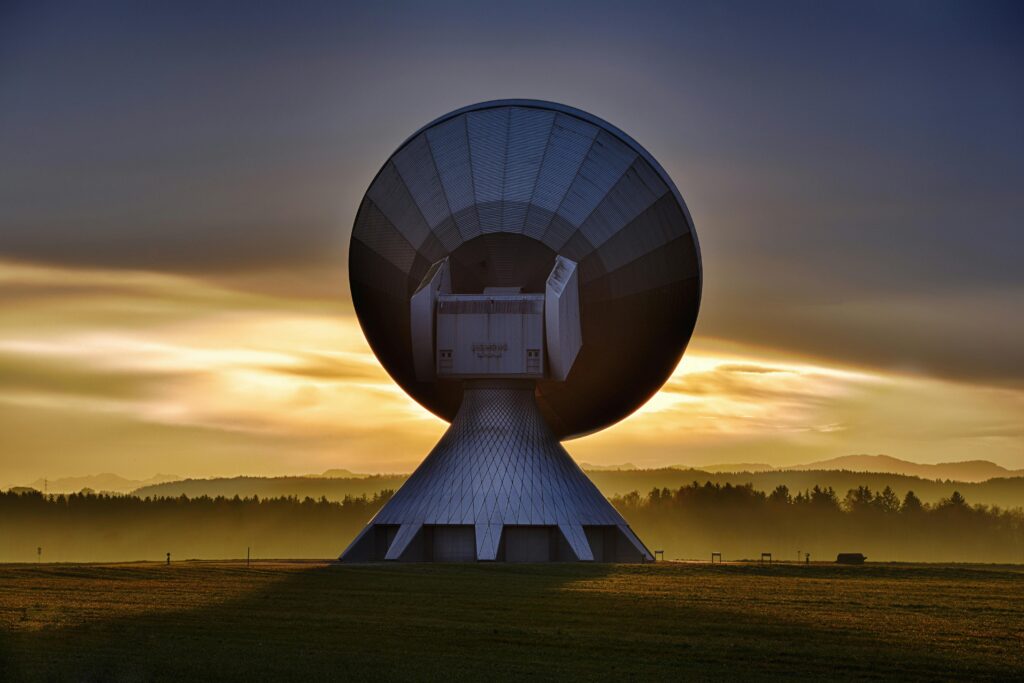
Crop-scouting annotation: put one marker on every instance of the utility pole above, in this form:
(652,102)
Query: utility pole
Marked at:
(247,557)
(39,554)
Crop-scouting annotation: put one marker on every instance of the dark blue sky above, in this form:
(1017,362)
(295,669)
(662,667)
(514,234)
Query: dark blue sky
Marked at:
(855,170)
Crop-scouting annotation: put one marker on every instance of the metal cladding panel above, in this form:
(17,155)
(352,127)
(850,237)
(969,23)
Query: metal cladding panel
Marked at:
(572,122)
(633,194)
(605,164)
(376,277)
(448,235)
(577,540)
(406,533)
(653,271)
(529,132)
(567,147)
(562,318)
(421,316)
(379,235)
(528,544)
(391,197)
(577,248)
(449,144)
(488,145)
(500,460)
(487,539)
(653,229)
(416,166)
(454,544)
(597,198)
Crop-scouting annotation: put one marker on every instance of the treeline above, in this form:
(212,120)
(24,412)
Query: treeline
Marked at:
(742,522)
(111,528)
(691,521)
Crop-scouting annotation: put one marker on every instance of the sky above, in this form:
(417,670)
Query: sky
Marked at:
(178,184)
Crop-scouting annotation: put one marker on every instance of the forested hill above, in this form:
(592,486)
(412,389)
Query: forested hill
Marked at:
(1008,492)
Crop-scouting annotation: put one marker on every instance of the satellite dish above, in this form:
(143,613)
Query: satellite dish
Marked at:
(519,248)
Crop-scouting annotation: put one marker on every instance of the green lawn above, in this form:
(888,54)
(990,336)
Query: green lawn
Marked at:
(201,620)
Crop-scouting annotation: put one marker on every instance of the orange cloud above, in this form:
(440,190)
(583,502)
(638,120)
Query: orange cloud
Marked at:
(139,373)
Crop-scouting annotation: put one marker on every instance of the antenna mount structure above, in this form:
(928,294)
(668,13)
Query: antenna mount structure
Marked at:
(529,273)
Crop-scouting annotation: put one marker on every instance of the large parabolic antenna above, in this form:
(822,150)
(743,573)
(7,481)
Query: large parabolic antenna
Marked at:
(529,273)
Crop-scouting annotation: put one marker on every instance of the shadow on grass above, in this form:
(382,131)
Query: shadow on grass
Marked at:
(463,622)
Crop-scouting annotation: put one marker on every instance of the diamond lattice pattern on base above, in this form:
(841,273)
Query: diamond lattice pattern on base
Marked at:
(498,465)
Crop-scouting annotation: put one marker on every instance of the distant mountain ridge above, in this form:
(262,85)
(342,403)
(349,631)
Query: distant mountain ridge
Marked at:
(107,482)
(103,482)
(967,470)
(974,471)
(732,467)
(338,473)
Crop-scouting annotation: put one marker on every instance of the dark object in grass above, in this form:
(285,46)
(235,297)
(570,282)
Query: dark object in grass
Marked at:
(850,558)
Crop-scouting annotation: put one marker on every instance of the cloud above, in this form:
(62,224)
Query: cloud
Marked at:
(790,410)
(31,374)
(756,369)
(139,372)
(968,335)
(873,224)
(131,376)
(174,227)
(333,367)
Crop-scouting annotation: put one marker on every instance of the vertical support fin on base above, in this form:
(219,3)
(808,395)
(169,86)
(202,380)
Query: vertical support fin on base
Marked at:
(577,540)
(403,538)
(488,536)
(637,543)
(355,542)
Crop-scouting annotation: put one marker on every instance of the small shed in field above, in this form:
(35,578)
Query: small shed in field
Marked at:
(850,558)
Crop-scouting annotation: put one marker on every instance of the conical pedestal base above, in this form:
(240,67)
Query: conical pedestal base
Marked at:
(498,487)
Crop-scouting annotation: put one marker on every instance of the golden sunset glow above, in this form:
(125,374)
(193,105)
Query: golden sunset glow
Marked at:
(141,373)
(780,243)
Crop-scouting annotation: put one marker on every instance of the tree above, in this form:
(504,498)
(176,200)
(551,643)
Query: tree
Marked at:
(654,496)
(911,504)
(858,499)
(631,500)
(886,501)
(780,496)
(824,498)
(955,501)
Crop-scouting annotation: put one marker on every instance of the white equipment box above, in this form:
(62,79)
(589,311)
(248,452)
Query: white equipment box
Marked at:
(490,335)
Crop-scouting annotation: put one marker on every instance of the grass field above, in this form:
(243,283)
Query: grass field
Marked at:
(201,620)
